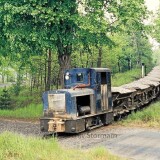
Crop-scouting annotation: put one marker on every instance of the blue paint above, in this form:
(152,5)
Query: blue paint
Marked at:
(73,81)
(79,76)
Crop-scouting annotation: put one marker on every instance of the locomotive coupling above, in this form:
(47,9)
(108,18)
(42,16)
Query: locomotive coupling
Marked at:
(56,125)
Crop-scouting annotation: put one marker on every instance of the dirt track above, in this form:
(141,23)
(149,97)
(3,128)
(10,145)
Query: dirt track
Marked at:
(21,127)
(133,143)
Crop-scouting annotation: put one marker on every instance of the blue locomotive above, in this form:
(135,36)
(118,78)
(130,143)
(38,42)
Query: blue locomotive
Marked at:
(84,104)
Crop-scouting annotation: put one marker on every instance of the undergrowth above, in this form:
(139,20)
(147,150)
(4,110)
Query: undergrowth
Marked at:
(18,147)
(126,77)
(149,117)
(31,111)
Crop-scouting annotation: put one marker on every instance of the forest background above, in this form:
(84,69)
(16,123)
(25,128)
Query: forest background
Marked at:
(40,39)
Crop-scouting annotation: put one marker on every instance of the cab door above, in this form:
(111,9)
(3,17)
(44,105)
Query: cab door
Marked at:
(104,91)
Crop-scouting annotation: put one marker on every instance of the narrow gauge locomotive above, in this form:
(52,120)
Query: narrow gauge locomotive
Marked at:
(87,101)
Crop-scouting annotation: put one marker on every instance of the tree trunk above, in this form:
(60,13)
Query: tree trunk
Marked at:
(45,74)
(81,59)
(119,67)
(41,80)
(31,84)
(99,62)
(65,63)
(129,64)
(2,78)
(136,44)
(48,84)
(87,61)
(64,41)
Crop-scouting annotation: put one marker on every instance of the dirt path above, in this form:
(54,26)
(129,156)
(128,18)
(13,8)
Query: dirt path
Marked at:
(21,127)
(133,143)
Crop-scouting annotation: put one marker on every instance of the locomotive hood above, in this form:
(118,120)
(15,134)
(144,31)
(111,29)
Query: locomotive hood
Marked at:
(64,95)
(73,93)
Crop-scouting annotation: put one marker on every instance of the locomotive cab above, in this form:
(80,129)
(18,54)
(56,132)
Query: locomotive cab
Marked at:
(85,103)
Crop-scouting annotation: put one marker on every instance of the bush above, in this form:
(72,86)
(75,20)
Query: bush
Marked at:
(148,116)
(5,100)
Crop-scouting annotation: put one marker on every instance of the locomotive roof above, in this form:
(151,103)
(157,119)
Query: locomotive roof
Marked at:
(96,69)
(101,69)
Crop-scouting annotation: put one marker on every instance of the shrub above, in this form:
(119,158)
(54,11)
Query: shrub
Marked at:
(5,100)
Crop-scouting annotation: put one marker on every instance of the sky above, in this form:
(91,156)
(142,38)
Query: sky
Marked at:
(152,5)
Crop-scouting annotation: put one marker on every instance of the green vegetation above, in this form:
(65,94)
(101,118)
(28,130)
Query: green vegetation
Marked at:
(119,79)
(31,111)
(25,98)
(149,117)
(126,77)
(5,100)
(39,39)
(25,105)
(16,147)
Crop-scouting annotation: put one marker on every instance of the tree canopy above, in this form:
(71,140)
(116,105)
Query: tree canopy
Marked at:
(65,28)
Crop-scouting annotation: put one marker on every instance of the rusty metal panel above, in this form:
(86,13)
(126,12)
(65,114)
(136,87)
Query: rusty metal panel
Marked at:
(79,91)
(101,69)
(104,98)
(44,124)
(56,125)
(56,102)
(75,126)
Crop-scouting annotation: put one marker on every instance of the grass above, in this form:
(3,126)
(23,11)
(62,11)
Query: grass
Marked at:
(25,98)
(24,106)
(18,147)
(126,77)
(32,111)
(148,117)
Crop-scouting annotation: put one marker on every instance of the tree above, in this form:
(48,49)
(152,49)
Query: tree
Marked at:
(156,28)
(33,27)
(5,101)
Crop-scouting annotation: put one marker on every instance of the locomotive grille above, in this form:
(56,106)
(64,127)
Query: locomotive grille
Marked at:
(56,102)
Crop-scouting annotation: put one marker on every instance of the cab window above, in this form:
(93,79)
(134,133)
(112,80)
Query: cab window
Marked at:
(79,77)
